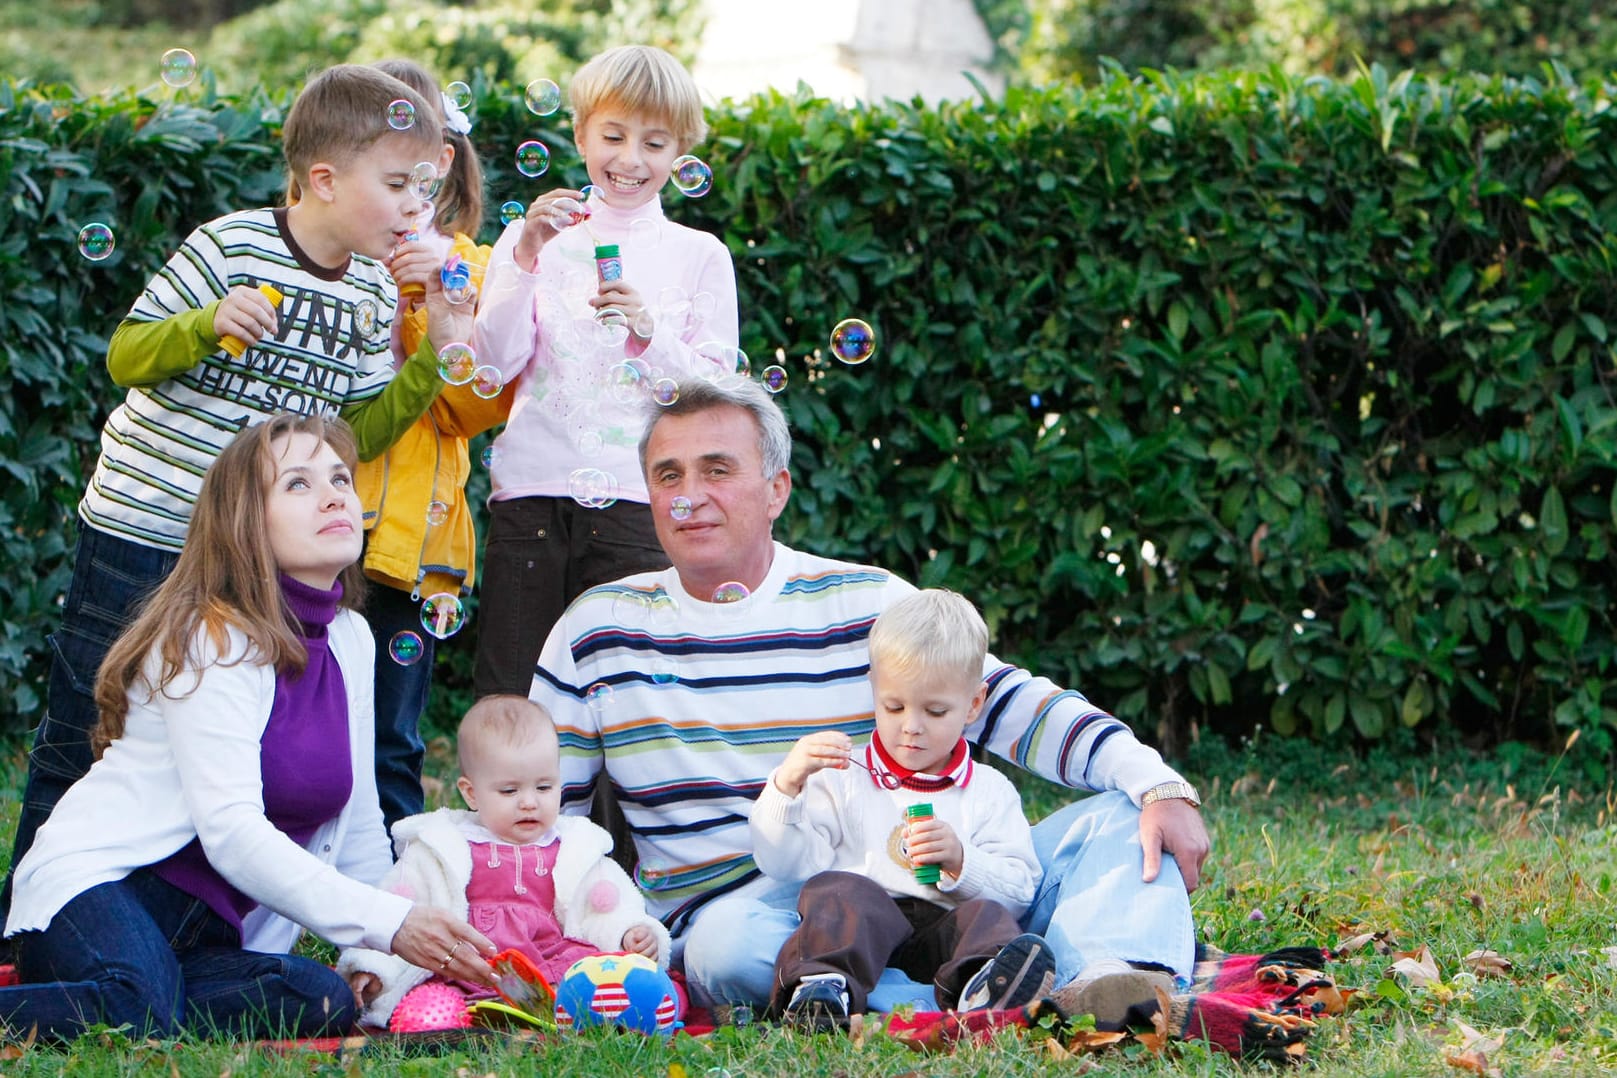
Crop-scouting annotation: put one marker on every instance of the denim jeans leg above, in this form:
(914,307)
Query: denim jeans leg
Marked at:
(240,993)
(401,700)
(104,959)
(1092,903)
(111,576)
(730,948)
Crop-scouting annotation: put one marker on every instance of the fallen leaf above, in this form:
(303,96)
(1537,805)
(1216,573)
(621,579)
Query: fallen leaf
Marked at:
(1418,967)
(1475,1062)
(1358,942)
(1157,1040)
(1487,963)
(1476,1040)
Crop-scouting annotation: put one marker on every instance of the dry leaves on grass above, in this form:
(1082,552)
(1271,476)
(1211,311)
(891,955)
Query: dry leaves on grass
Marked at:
(1487,963)
(1475,1047)
(1380,942)
(1419,968)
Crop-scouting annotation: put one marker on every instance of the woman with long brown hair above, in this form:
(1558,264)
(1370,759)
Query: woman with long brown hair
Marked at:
(234,797)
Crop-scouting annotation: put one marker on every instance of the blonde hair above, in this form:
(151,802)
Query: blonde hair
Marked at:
(503,719)
(459,206)
(934,631)
(644,81)
(226,576)
(343,112)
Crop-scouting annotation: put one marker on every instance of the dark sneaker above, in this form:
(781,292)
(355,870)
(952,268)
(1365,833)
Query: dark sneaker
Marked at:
(1016,976)
(819,1004)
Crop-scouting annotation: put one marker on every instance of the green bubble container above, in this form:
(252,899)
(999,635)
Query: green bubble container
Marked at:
(923,873)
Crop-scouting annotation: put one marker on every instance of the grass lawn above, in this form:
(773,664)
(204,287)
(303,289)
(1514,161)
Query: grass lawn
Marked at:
(1452,852)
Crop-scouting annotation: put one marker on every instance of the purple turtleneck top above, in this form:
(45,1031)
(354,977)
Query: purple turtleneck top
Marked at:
(305,760)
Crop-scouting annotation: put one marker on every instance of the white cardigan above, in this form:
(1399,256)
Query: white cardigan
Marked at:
(188,766)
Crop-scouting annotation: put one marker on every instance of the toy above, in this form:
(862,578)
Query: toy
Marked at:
(431,1005)
(627,990)
(235,345)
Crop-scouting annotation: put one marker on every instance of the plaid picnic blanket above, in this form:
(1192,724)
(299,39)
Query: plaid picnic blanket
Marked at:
(1254,1006)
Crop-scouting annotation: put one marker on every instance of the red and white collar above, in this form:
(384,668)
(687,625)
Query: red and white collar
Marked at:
(957,770)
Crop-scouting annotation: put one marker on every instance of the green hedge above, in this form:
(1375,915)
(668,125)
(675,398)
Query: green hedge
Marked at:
(1233,399)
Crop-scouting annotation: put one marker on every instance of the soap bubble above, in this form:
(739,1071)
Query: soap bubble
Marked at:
(692,176)
(663,611)
(665,391)
(703,306)
(564,214)
(543,97)
(457,363)
(774,378)
(727,357)
(533,158)
(624,382)
(853,341)
(406,648)
(490,455)
(96,241)
(512,211)
(400,114)
(731,591)
(424,181)
(487,381)
(442,614)
(459,94)
(680,507)
(590,443)
(598,696)
(664,671)
(593,196)
(437,513)
(178,67)
(592,488)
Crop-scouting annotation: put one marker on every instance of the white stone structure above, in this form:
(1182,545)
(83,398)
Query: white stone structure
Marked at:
(846,50)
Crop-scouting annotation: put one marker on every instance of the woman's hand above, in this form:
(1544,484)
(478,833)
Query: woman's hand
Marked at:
(441,943)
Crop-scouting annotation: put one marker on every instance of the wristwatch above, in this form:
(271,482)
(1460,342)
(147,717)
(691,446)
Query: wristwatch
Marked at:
(1177,791)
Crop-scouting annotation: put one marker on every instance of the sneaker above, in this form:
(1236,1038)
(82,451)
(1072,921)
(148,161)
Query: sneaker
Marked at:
(819,1004)
(1117,1000)
(1014,977)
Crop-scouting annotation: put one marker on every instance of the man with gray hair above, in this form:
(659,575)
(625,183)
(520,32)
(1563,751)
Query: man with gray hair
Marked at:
(690,685)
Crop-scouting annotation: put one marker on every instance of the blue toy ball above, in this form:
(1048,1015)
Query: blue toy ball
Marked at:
(626,990)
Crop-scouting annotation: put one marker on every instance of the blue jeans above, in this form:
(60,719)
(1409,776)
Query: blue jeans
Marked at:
(1090,905)
(401,700)
(111,577)
(140,953)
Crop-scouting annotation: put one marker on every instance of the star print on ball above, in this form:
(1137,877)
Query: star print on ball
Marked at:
(626,990)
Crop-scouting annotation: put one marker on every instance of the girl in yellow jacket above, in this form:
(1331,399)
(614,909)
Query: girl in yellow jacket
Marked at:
(420,545)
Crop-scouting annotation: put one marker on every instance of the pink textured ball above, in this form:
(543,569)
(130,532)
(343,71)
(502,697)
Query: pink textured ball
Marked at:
(603,897)
(429,1006)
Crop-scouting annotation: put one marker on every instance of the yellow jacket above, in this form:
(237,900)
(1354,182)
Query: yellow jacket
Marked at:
(428,464)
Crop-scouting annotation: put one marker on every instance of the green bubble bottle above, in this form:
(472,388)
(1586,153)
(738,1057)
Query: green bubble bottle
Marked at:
(914,814)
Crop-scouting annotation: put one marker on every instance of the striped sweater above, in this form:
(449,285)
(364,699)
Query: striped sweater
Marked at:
(332,348)
(689,705)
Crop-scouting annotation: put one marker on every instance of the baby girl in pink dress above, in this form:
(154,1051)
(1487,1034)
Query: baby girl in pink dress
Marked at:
(524,875)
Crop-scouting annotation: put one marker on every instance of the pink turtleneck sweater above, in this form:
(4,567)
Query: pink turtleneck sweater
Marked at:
(572,410)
